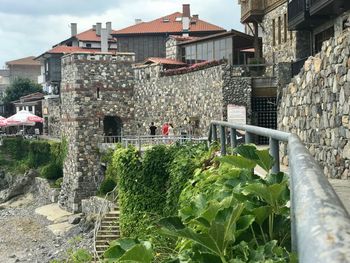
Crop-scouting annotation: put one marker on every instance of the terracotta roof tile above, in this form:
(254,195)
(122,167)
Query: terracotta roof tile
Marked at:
(172,26)
(62,49)
(90,35)
(24,61)
(182,38)
(165,61)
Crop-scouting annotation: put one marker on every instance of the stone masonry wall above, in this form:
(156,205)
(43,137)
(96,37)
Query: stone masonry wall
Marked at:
(171,49)
(52,111)
(201,95)
(315,105)
(93,86)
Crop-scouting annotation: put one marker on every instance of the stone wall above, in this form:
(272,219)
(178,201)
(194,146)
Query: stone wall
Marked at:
(92,206)
(315,105)
(293,46)
(52,114)
(171,48)
(189,101)
(93,86)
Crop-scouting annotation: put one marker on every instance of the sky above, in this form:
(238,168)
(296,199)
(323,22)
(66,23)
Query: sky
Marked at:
(31,27)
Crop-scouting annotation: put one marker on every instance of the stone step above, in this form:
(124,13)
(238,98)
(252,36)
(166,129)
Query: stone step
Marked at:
(114,212)
(108,232)
(101,247)
(110,220)
(103,242)
(106,237)
(112,228)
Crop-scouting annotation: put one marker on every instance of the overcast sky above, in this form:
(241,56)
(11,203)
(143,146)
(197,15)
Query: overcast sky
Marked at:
(30,27)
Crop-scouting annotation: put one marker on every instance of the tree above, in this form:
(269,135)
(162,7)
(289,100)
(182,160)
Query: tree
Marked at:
(18,88)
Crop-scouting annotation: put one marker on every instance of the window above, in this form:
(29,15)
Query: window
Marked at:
(210,50)
(273,32)
(98,93)
(279,30)
(285,28)
(217,50)
(88,45)
(30,108)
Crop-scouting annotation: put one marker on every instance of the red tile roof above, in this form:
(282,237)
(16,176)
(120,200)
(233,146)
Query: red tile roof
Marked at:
(172,26)
(24,61)
(62,49)
(182,38)
(165,61)
(90,35)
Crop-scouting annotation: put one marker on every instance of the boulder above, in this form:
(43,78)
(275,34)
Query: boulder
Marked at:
(18,185)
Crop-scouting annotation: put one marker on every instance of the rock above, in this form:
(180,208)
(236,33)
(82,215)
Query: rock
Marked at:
(12,256)
(346,151)
(19,185)
(75,219)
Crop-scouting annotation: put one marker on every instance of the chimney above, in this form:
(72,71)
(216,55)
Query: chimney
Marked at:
(73,29)
(98,29)
(138,21)
(195,17)
(94,27)
(186,19)
(109,28)
(186,10)
(104,40)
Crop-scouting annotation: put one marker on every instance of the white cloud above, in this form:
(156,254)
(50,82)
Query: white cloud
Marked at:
(35,31)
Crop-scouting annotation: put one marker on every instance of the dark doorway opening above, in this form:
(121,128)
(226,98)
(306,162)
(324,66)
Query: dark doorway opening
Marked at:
(264,111)
(112,128)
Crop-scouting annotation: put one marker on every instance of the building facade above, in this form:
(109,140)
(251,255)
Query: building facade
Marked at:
(96,39)
(148,39)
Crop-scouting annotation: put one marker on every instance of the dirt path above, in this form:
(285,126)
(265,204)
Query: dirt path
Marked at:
(25,236)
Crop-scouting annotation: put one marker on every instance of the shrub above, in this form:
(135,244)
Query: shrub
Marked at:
(39,153)
(107,185)
(58,183)
(16,147)
(51,171)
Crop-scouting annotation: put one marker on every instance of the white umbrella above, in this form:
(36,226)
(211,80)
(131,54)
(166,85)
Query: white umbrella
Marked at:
(23,117)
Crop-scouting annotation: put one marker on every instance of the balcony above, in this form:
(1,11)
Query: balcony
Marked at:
(252,10)
(298,16)
(328,7)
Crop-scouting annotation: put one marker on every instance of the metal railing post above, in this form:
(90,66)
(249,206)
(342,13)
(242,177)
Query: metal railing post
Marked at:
(248,137)
(223,140)
(233,138)
(274,151)
(215,135)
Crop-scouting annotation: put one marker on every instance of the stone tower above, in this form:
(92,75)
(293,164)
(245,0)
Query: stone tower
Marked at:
(95,89)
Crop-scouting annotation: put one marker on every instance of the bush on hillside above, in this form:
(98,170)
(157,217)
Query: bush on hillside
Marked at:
(51,171)
(106,186)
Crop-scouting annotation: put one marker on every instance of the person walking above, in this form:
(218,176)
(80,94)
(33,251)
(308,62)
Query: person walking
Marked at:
(152,129)
(171,133)
(165,131)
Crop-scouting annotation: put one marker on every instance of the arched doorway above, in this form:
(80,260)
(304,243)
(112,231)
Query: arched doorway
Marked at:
(112,128)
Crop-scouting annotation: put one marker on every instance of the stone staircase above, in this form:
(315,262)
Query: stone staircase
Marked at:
(108,231)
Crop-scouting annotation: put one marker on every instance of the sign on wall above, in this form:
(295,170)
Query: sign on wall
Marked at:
(236,114)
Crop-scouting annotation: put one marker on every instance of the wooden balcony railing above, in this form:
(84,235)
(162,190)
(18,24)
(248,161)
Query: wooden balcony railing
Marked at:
(252,10)
(296,13)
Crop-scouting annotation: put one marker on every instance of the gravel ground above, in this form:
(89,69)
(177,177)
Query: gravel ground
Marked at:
(24,236)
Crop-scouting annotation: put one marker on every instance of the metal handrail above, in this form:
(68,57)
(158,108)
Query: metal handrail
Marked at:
(101,213)
(320,223)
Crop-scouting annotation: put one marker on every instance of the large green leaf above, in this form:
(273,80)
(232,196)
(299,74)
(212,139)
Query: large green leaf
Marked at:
(140,253)
(261,213)
(265,160)
(238,161)
(261,157)
(243,224)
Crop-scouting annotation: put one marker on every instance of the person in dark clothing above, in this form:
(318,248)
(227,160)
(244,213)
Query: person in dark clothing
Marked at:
(152,129)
